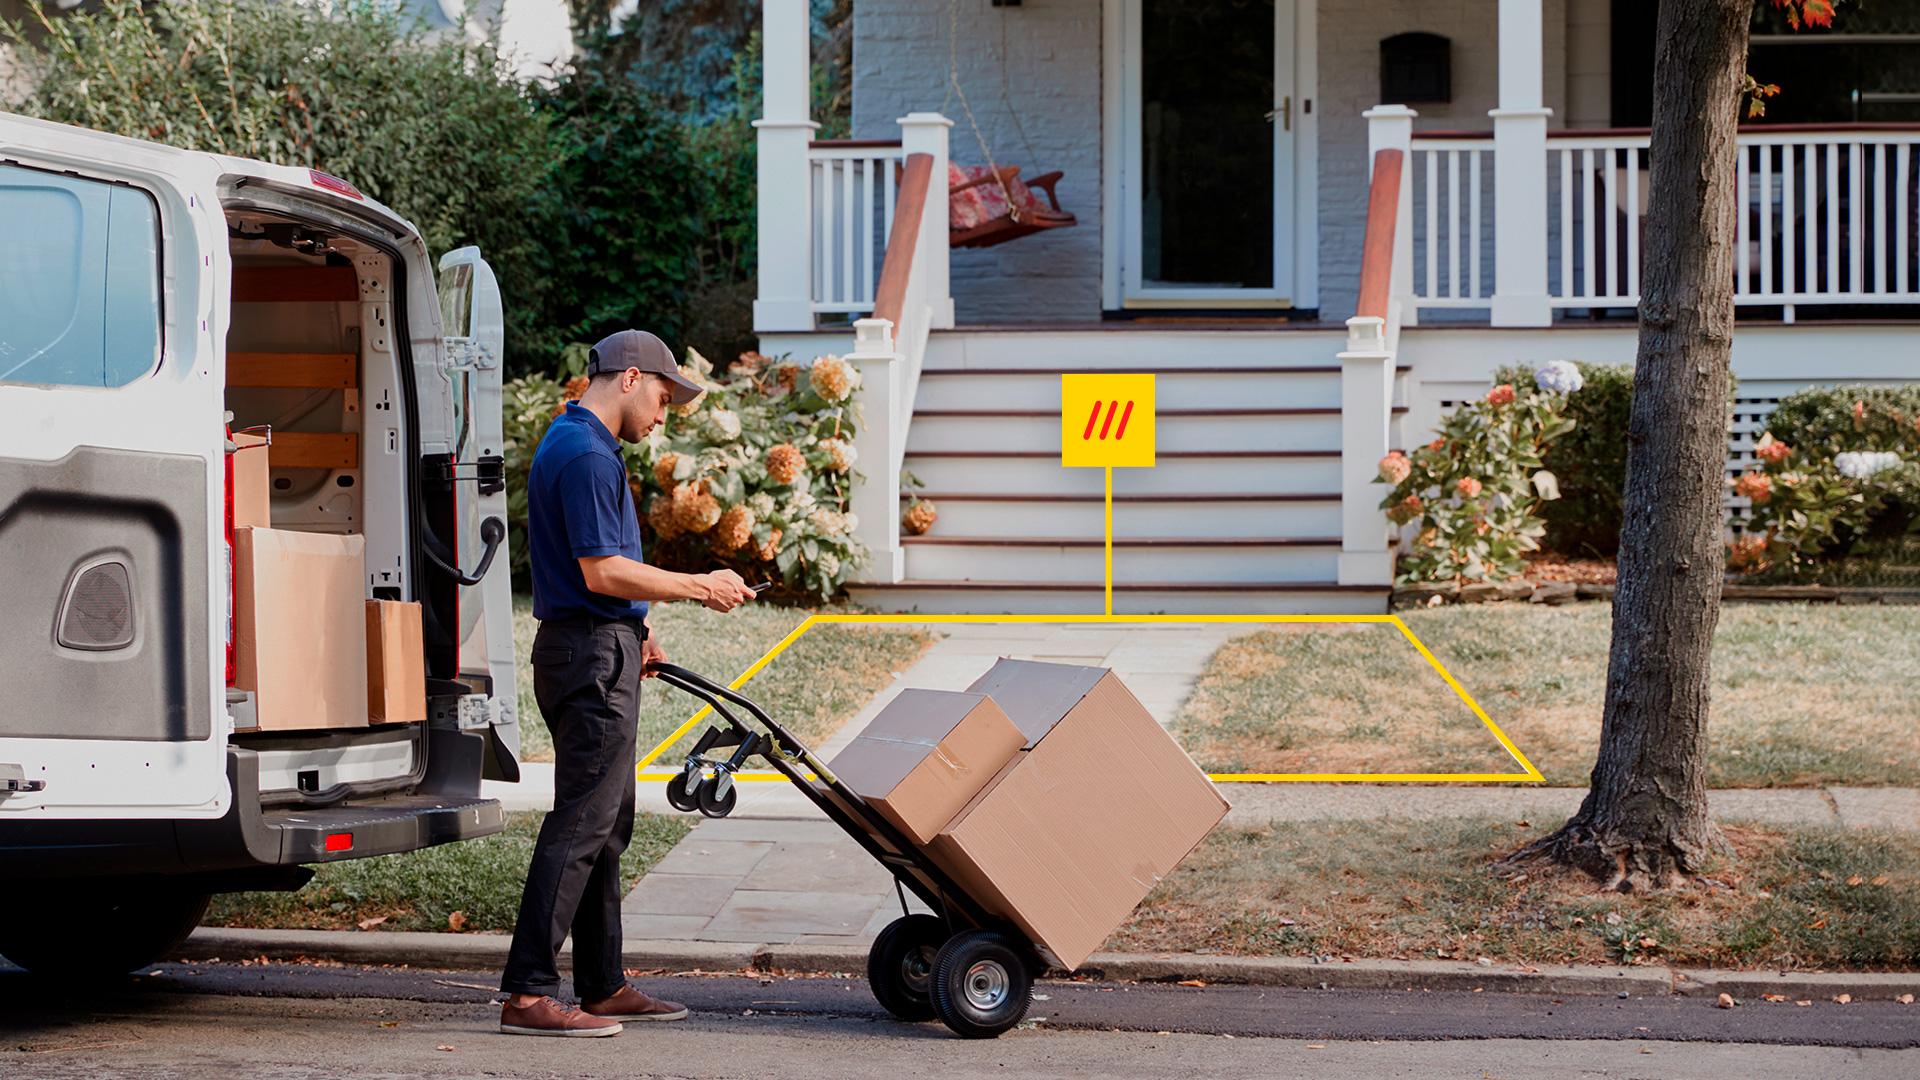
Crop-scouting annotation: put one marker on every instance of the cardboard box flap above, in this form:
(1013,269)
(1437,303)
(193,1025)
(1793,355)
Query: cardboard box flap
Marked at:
(1036,695)
(897,739)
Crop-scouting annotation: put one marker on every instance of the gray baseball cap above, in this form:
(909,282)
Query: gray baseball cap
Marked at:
(639,349)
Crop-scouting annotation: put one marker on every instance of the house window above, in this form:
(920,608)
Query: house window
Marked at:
(79,280)
(1416,68)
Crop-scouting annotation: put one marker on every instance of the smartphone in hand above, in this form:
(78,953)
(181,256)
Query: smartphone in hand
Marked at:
(762,587)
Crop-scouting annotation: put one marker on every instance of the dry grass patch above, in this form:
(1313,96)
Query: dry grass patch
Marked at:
(1784,898)
(1802,695)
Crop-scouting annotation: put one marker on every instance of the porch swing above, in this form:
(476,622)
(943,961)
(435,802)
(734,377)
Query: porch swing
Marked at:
(989,204)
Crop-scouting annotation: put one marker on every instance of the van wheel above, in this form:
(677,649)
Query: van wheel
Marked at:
(99,927)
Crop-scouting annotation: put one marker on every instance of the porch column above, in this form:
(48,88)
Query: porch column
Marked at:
(1366,408)
(926,133)
(876,495)
(783,175)
(1520,172)
(1390,127)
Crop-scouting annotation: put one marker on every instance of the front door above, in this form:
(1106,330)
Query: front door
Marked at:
(1208,119)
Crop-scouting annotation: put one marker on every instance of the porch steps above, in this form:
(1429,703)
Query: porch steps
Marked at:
(1240,515)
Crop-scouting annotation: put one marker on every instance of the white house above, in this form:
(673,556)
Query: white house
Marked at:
(1219,156)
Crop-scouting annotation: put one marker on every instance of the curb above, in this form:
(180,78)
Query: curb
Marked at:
(488,952)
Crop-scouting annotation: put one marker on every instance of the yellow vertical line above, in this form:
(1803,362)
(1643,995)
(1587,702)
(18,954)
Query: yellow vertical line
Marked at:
(1109,540)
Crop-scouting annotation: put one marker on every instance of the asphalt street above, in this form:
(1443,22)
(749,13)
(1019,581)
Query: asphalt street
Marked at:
(296,1021)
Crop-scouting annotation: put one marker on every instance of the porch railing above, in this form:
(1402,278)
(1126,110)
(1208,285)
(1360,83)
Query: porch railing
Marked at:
(1827,216)
(852,185)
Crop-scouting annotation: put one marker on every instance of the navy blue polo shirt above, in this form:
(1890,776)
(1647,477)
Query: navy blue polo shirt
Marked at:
(578,507)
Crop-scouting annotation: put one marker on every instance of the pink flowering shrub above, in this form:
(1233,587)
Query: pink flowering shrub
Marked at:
(1474,491)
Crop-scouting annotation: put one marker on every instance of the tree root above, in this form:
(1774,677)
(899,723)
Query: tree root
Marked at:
(1619,862)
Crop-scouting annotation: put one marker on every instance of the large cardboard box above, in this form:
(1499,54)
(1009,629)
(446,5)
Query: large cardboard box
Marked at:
(1073,833)
(300,627)
(396,663)
(252,489)
(926,755)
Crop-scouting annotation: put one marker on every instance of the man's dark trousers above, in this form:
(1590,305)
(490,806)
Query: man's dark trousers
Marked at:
(586,677)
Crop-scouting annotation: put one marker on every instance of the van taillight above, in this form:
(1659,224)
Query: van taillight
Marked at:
(333,183)
(232,672)
(340,841)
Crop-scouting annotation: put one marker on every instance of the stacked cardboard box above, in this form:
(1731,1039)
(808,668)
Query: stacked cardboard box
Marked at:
(396,663)
(1073,828)
(300,627)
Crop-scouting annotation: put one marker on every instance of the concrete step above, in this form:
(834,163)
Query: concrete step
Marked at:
(1210,388)
(1040,472)
(1196,430)
(1136,345)
(1131,598)
(1084,515)
(1083,559)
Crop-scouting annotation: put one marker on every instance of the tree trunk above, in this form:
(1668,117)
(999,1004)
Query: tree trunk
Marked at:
(1644,822)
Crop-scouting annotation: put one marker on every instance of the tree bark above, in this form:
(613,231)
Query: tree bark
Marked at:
(1644,822)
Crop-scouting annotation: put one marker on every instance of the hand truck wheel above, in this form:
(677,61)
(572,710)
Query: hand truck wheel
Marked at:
(900,966)
(982,984)
(682,794)
(715,805)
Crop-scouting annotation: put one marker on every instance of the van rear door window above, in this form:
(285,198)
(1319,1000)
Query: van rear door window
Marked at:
(79,280)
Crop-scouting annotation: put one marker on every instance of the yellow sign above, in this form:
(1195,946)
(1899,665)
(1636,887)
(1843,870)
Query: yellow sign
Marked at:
(1106,420)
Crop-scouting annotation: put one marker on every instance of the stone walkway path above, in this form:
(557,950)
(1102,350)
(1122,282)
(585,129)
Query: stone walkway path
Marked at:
(777,872)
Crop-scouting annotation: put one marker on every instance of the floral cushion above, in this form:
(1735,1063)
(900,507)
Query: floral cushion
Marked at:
(982,203)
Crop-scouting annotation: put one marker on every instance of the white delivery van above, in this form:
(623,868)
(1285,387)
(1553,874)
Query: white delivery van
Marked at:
(153,300)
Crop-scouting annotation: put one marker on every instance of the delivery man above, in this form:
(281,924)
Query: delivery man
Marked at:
(590,593)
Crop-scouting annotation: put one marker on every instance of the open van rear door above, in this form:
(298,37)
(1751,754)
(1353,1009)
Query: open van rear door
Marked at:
(112,465)
(474,326)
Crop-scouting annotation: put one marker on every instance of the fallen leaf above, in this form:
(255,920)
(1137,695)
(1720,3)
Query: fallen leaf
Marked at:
(1843,999)
(1803,1003)
(1821,925)
(1726,1001)
(1649,943)
(1644,1050)
(1905,999)
(1774,997)
(443,1048)
(1224,1035)
(368,924)
(1614,919)
(389,1023)
(1855,879)
(1882,879)
(1524,824)
(1191,982)
(1311,1047)
(457,921)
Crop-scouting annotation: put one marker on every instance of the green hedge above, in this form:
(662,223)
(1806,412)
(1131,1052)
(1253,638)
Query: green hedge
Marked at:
(1590,461)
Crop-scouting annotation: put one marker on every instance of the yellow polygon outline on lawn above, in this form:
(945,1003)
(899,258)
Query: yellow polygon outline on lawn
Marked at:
(1531,773)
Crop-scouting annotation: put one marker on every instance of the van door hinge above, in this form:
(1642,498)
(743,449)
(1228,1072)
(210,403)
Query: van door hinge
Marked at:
(467,354)
(490,471)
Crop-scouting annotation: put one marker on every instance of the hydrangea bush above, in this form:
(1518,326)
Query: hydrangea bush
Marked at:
(1476,489)
(754,474)
(1836,469)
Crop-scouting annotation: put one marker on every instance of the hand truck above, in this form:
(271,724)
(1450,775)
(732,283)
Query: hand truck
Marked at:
(972,970)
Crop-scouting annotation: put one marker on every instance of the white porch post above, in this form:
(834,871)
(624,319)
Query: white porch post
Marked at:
(1520,172)
(783,175)
(876,498)
(1366,406)
(926,133)
(1390,127)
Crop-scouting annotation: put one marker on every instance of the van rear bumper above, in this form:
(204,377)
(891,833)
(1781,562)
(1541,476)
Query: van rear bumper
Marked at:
(247,838)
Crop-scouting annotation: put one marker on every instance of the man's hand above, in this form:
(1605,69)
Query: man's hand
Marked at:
(650,654)
(724,590)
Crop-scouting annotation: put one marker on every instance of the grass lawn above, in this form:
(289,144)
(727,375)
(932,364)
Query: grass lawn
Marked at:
(1802,695)
(481,879)
(813,687)
(1789,899)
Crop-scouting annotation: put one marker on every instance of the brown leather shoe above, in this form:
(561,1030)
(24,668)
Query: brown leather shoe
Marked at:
(631,1004)
(550,1016)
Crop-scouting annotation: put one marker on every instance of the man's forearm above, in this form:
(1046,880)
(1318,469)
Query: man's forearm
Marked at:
(617,575)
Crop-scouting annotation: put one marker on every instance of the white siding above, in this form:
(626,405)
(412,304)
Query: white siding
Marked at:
(1041,61)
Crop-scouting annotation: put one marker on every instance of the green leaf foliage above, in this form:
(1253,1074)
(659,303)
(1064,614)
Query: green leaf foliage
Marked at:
(1590,461)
